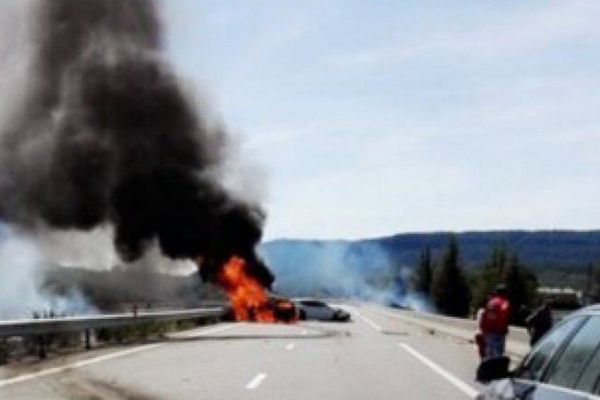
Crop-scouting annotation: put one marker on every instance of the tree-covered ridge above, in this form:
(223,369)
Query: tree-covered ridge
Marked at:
(558,249)
(372,268)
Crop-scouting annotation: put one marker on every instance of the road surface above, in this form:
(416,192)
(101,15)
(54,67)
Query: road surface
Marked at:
(376,356)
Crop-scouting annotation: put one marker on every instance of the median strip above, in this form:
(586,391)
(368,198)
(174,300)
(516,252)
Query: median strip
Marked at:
(94,360)
(75,365)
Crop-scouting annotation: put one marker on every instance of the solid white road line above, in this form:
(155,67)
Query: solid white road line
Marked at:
(190,334)
(217,329)
(78,364)
(468,390)
(367,321)
(290,346)
(94,360)
(256,381)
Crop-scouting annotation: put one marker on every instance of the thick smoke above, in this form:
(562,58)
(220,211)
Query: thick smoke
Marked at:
(105,134)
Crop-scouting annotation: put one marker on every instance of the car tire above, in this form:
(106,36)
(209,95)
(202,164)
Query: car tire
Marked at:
(302,315)
(340,316)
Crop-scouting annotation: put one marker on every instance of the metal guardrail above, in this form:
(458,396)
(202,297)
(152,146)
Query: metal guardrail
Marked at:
(27,327)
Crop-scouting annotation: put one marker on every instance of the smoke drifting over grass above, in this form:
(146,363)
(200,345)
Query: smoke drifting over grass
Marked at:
(341,269)
(22,292)
(105,136)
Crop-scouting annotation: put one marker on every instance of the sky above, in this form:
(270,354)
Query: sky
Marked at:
(362,119)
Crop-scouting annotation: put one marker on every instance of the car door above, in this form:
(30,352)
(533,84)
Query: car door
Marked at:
(321,310)
(312,309)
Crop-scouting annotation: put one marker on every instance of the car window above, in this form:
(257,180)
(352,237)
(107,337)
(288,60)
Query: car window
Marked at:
(534,364)
(312,303)
(589,378)
(566,369)
(591,369)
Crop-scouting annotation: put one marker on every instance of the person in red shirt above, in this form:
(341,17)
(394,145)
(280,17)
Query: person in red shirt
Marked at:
(494,323)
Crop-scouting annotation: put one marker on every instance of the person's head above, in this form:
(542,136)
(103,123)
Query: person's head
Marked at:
(500,290)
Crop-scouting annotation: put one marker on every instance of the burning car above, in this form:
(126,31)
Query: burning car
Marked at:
(277,309)
(319,310)
(284,310)
(249,298)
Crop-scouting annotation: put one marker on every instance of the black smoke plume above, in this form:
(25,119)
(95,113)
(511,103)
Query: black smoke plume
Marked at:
(106,135)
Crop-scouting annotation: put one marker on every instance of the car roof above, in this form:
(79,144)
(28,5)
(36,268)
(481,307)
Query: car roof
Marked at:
(593,309)
(307,299)
(589,310)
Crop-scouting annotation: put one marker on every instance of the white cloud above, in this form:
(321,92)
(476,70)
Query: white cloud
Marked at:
(537,29)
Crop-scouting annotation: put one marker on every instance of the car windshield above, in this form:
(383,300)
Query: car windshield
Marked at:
(566,369)
(534,365)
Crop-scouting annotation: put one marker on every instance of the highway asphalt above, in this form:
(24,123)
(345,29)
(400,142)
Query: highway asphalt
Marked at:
(376,356)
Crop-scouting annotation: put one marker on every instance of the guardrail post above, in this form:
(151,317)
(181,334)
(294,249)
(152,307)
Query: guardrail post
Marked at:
(42,347)
(88,340)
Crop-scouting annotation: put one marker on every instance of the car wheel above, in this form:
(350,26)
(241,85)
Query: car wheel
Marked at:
(302,315)
(341,316)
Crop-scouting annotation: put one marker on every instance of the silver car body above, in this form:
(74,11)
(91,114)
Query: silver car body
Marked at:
(315,309)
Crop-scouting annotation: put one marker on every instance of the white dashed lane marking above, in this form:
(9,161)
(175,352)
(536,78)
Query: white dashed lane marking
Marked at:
(256,381)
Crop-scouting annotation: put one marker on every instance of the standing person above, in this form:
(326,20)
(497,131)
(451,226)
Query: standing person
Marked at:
(539,322)
(479,337)
(522,315)
(494,323)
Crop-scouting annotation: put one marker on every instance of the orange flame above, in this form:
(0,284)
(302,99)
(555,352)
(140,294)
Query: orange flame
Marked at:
(249,298)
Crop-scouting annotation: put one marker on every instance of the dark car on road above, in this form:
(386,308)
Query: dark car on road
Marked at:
(563,365)
(309,309)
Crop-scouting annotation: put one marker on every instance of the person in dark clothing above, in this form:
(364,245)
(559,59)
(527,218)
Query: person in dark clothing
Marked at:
(539,322)
(522,315)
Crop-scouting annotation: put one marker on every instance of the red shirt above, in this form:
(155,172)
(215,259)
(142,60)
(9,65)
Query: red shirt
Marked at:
(496,316)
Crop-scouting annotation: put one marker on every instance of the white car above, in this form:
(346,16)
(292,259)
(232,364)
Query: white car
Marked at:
(309,309)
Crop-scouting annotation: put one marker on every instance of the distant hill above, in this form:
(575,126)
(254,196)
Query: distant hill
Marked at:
(559,257)
(537,249)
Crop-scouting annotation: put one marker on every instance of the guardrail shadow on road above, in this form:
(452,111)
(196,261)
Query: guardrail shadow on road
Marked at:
(266,331)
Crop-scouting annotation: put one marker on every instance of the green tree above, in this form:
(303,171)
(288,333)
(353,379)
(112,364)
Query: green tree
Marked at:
(424,272)
(521,284)
(595,284)
(449,290)
(521,287)
(489,276)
